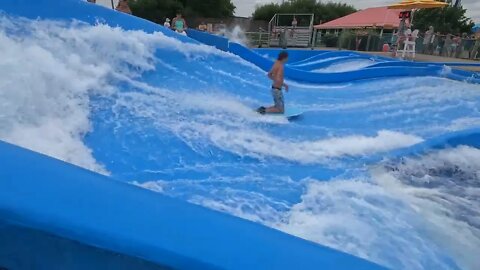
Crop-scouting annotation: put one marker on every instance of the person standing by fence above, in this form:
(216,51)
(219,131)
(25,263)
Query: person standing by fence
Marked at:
(428,41)
(475,50)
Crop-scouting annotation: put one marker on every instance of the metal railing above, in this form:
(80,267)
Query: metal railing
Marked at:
(282,33)
(257,39)
(440,45)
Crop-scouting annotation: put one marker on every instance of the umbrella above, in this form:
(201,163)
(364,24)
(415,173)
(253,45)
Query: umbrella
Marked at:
(417,4)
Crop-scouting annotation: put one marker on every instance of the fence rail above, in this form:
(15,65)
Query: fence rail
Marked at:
(464,48)
(257,39)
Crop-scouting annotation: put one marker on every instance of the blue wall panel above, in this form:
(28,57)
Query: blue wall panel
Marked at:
(218,42)
(50,197)
(58,198)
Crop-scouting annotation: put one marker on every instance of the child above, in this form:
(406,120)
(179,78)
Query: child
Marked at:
(167,23)
(276,74)
(179,24)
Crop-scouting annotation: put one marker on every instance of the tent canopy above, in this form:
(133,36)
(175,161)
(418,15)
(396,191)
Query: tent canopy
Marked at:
(418,4)
(371,17)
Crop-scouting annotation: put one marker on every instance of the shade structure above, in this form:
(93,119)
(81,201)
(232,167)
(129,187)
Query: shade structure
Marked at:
(417,4)
(380,17)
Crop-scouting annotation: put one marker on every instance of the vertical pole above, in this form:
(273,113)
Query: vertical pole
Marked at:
(314,39)
(113,6)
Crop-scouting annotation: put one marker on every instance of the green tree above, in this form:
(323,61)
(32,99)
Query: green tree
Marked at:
(449,19)
(158,10)
(323,11)
(210,8)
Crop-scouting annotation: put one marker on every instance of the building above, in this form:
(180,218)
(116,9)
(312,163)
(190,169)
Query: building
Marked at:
(371,18)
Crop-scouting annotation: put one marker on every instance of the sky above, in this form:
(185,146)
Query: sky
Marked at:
(245,7)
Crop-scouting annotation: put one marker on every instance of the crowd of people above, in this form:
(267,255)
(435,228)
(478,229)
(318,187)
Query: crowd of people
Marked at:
(451,45)
(447,45)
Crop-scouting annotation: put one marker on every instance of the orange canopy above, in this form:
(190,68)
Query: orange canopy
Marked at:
(371,17)
(418,4)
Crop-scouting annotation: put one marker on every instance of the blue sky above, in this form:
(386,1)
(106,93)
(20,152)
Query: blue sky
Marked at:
(246,7)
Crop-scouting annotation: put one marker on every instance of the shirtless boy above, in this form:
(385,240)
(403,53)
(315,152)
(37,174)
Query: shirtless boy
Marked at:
(276,74)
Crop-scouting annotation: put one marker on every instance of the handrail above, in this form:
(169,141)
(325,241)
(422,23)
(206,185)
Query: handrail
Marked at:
(270,29)
(273,24)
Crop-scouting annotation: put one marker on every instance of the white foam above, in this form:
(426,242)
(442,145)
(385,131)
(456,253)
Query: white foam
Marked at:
(347,65)
(319,61)
(49,69)
(354,215)
(413,98)
(235,34)
(362,219)
(258,143)
(232,126)
(449,204)
(463,123)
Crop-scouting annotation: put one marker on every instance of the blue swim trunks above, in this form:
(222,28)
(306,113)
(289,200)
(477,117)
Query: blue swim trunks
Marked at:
(277,95)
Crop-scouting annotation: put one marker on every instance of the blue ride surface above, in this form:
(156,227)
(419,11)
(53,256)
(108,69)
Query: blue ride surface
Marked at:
(51,199)
(73,203)
(380,166)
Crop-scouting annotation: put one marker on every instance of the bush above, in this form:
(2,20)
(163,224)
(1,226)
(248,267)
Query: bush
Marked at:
(330,40)
(347,40)
(323,12)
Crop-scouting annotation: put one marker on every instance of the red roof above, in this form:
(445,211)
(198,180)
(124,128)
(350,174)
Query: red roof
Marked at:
(370,17)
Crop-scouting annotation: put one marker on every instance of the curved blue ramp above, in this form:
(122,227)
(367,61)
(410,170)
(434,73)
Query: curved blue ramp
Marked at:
(305,61)
(58,198)
(170,114)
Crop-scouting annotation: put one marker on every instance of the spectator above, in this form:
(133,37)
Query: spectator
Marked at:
(179,24)
(476,46)
(457,40)
(386,47)
(123,7)
(294,22)
(202,27)
(428,40)
(437,44)
(465,44)
(448,46)
(167,23)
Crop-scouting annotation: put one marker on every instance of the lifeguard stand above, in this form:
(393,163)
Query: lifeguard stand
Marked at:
(282,33)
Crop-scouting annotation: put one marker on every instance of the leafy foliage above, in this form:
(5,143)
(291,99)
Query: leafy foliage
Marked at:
(323,11)
(158,10)
(450,19)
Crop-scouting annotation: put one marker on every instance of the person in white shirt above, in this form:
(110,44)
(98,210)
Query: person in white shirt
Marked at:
(167,23)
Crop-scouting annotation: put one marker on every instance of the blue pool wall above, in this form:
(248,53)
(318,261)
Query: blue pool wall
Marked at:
(44,200)
(66,201)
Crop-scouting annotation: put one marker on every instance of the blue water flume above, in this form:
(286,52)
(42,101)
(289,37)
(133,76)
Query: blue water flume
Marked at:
(126,98)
